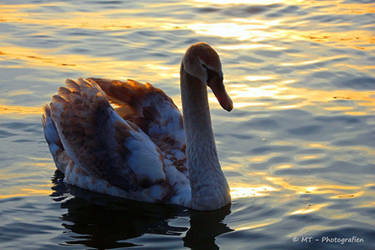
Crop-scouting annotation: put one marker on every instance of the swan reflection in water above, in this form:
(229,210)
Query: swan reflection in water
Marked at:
(102,221)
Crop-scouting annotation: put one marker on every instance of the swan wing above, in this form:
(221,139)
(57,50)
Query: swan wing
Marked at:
(153,111)
(157,115)
(53,139)
(148,107)
(102,145)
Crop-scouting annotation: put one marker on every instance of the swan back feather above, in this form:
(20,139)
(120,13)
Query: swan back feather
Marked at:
(103,149)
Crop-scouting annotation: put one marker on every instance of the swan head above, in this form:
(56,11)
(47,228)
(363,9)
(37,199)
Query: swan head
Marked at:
(203,62)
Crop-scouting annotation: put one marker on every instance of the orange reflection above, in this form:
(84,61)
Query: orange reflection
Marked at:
(347,8)
(98,20)
(318,145)
(284,166)
(6,196)
(307,157)
(98,66)
(19,110)
(258,225)
(322,189)
(27,185)
(308,209)
(343,38)
(309,62)
(254,191)
(244,30)
(244,96)
(19,92)
(246,46)
(368,204)
(258,30)
(258,78)
(242,90)
(241,29)
(31,191)
(331,6)
(26,192)
(246,1)
(347,196)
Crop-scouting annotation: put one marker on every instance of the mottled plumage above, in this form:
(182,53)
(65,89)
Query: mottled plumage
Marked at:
(128,139)
(97,149)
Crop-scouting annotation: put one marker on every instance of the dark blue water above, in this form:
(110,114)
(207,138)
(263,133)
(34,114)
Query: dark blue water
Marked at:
(298,150)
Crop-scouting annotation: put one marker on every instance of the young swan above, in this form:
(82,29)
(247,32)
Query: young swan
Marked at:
(201,67)
(136,150)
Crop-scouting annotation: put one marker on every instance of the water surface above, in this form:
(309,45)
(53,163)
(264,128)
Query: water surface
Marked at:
(298,149)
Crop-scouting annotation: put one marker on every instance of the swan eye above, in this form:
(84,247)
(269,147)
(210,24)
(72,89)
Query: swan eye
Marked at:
(212,76)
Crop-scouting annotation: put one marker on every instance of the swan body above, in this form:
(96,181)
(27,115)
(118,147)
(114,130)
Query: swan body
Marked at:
(141,147)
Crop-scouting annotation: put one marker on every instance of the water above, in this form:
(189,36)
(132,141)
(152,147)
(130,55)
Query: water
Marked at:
(298,150)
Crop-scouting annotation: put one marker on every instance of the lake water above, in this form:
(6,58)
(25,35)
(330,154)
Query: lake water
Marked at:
(298,149)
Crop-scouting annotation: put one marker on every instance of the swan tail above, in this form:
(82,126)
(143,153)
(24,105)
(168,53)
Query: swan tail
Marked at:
(82,117)
(54,143)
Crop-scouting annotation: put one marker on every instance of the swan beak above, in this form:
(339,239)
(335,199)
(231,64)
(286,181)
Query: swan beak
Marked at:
(221,94)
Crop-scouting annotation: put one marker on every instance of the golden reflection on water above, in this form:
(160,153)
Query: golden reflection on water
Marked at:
(307,157)
(309,209)
(244,95)
(257,225)
(241,29)
(19,92)
(98,20)
(331,6)
(19,110)
(256,2)
(306,189)
(256,31)
(22,192)
(95,66)
(26,188)
(253,191)
(246,46)
(368,204)
(347,196)
(26,180)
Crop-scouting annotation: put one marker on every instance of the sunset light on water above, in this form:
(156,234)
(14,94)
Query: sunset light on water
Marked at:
(297,150)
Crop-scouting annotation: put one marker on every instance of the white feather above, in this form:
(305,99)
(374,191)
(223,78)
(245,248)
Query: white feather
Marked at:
(144,158)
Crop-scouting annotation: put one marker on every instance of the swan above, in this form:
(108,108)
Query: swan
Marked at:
(128,139)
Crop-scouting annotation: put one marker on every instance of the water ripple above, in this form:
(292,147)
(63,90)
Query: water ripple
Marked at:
(298,149)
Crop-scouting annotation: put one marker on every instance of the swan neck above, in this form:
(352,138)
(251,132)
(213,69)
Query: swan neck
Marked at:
(197,118)
(208,184)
